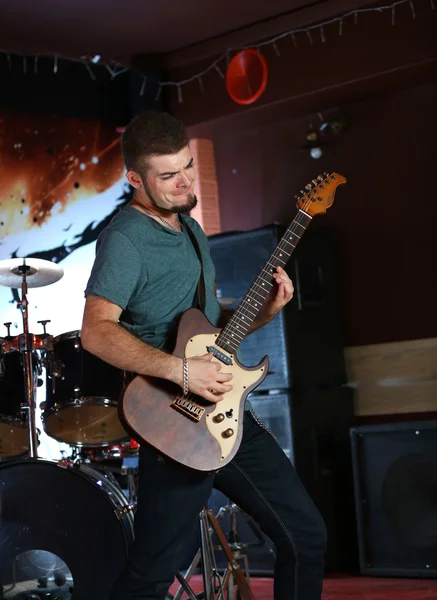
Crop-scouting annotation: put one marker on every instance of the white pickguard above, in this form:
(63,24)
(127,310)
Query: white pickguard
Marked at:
(242,379)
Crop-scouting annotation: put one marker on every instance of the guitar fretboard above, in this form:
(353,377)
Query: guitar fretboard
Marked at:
(238,326)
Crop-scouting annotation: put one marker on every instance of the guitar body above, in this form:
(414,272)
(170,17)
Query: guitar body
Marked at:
(148,413)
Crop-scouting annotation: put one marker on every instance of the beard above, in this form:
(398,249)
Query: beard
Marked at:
(182,209)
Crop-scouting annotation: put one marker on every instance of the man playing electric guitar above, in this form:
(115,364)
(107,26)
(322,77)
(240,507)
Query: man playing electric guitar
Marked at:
(146,266)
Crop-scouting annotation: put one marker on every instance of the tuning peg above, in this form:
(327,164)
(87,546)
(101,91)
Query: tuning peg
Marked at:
(296,196)
(320,177)
(325,174)
(308,186)
(303,192)
(315,182)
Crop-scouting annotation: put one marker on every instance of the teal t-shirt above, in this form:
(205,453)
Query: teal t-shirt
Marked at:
(152,272)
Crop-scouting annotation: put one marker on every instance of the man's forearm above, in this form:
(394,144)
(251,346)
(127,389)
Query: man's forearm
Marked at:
(113,344)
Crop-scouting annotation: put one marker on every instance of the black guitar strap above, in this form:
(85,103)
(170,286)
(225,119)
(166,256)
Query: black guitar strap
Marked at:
(201,293)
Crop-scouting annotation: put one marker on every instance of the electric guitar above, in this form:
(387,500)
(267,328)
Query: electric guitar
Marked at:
(188,429)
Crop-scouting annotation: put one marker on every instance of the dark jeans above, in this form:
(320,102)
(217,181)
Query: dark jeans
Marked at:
(261,481)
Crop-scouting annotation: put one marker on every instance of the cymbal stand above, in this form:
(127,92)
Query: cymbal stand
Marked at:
(27,348)
(215,586)
(236,544)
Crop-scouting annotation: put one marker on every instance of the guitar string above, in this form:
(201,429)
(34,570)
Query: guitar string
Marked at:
(191,395)
(258,289)
(242,311)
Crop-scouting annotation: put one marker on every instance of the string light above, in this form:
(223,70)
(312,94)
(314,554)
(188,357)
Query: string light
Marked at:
(116,69)
(90,71)
(217,68)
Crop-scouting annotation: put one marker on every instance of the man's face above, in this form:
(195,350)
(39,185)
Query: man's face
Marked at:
(169,181)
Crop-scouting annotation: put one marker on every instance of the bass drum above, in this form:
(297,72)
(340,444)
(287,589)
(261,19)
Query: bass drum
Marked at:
(82,396)
(73,512)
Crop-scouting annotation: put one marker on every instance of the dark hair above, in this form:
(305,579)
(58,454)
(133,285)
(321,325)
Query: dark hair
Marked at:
(151,133)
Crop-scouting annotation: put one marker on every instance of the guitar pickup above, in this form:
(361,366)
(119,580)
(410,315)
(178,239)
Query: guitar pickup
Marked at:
(188,408)
(221,356)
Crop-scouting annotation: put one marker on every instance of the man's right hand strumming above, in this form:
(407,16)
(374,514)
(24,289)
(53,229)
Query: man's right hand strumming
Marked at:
(206,379)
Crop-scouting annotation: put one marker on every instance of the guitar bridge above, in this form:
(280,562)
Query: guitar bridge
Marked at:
(188,408)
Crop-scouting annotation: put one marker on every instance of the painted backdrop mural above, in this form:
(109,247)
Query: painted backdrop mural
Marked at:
(61,181)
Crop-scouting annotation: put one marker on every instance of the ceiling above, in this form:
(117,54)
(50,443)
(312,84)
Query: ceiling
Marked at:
(122,29)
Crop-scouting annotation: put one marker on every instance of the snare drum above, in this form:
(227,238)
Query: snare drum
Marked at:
(79,515)
(13,430)
(81,407)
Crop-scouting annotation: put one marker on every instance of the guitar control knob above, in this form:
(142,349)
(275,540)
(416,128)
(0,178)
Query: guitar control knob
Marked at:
(228,433)
(219,418)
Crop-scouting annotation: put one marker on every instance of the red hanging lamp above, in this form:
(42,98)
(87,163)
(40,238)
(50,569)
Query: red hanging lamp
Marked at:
(246,76)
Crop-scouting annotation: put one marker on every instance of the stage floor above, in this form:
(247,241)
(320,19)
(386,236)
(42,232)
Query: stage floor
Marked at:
(351,588)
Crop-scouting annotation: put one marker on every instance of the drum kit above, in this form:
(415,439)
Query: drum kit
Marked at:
(75,505)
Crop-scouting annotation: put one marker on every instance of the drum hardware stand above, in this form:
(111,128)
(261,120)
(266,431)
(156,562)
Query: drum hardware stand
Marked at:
(233,534)
(234,541)
(131,490)
(26,350)
(214,584)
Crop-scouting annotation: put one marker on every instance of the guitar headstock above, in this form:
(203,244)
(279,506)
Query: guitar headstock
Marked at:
(320,193)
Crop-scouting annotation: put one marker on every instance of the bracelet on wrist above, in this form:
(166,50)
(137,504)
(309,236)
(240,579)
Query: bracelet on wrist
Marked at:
(185,375)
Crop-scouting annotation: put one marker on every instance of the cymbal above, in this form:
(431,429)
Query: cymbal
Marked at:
(40,273)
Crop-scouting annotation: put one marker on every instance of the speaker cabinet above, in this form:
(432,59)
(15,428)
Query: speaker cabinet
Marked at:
(304,341)
(312,428)
(395,477)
